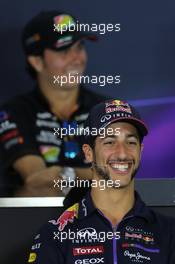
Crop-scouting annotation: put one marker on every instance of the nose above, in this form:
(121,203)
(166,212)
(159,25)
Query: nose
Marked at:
(74,52)
(121,150)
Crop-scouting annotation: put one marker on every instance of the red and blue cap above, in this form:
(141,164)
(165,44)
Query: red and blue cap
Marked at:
(115,110)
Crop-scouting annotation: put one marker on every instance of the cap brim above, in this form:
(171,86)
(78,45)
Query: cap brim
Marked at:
(84,35)
(140,125)
(76,36)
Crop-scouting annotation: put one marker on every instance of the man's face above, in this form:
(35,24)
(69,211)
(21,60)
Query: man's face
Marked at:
(117,157)
(71,61)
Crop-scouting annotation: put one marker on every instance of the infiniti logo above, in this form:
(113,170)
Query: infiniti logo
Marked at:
(105,118)
(89,232)
(130,228)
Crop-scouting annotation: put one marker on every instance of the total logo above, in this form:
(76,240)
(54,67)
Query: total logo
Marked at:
(89,261)
(88,250)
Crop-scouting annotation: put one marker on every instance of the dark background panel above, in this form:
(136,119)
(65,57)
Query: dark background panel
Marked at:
(142,52)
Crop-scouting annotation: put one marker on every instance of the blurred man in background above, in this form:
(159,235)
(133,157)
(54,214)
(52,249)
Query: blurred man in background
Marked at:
(33,150)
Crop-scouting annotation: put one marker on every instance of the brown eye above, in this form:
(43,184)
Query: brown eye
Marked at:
(108,142)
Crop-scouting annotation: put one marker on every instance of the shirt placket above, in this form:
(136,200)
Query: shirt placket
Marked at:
(114,242)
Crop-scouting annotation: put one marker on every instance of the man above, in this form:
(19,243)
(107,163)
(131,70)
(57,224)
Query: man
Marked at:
(34,152)
(112,225)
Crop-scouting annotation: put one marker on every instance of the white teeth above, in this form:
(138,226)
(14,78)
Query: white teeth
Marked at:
(74,72)
(121,167)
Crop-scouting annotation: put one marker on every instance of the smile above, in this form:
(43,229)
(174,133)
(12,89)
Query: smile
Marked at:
(120,167)
(74,71)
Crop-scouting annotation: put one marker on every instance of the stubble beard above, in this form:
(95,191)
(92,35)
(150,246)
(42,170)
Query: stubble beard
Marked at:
(103,173)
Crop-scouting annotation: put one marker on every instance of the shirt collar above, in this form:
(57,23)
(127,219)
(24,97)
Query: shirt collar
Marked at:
(87,207)
(140,209)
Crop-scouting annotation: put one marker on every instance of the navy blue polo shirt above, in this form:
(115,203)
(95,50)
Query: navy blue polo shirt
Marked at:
(82,235)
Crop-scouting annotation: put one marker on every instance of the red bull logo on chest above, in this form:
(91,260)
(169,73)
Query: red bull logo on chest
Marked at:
(67,216)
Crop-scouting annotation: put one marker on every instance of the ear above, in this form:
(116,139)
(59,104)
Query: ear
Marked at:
(36,62)
(88,152)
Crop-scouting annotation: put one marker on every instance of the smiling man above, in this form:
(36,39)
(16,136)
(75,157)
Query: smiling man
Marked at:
(112,225)
(34,152)
(116,161)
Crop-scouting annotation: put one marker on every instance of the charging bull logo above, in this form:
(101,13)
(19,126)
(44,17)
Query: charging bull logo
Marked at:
(115,103)
(117,106)
(148,239)
(66,217)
